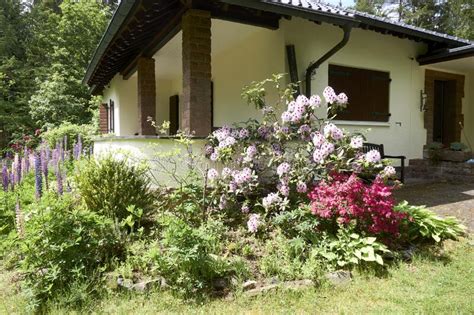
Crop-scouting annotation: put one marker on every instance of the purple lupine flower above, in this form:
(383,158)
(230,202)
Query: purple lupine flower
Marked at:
(26,154)
(5,178)
(17,168)
(79,146)
(12,180)
(65,143)
(38,176)
(59,178)
(44,166)
(19,219)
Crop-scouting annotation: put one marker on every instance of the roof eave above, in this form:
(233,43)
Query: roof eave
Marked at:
(447,55)
(120,15)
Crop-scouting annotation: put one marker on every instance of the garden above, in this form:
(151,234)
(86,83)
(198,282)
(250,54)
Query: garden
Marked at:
(287,203)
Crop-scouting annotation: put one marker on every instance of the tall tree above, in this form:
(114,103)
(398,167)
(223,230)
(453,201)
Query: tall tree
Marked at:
(67,50)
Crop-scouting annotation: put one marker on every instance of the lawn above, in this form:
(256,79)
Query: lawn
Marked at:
(431,284)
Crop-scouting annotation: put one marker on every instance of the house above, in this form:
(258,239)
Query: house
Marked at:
(186,61)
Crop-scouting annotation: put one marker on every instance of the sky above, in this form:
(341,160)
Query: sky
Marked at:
(344,2)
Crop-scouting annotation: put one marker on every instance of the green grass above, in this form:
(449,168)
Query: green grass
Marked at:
(428,285)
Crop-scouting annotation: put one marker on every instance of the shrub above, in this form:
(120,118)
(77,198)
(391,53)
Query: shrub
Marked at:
(271,165)
(190,257)
(422,224)
(65,243)
(110,186)
(288,259)
(348,249)
(345,199)
(56,135)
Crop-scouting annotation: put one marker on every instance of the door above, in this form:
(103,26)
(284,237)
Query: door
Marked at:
(444,124)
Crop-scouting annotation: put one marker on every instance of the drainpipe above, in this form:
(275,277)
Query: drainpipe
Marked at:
(314,66)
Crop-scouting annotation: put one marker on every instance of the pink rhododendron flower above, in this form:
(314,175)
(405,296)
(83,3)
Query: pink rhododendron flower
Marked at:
(389,171)
(329,95)
(286,117)
(318,156)
(244,133)
(226,172)
(373,156)
(214,156)
(318,139)
(251,151)
(315,101)
(342,98)
(301,187)
(254,223)
(357,142)
(271,200)
(346,198)
(283,168)
(245,208)
(212,174)
(284,190)
(302,100)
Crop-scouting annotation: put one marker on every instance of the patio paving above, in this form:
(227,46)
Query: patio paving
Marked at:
(445,198)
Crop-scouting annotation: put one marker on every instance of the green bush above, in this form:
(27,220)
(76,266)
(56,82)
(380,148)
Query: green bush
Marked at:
(65,243)
(424,225)
(190,258)
(288,259)
(347,250)
(111,186)
(56,134)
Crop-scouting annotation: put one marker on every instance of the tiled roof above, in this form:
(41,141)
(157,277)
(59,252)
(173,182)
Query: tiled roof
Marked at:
(365,19)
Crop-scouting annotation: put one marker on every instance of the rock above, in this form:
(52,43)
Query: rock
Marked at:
(261,290)
(273,280)
(146,286)
(407,254)
(220,284)
(249,285)
(298,284)
(339,277)
(124,283)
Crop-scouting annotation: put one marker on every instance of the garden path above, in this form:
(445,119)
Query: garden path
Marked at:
(445,198)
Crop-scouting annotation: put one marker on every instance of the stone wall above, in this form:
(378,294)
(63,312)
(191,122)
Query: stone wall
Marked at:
(443,170)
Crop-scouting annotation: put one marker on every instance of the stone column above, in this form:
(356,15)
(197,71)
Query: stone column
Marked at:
(146,95)
(196,110)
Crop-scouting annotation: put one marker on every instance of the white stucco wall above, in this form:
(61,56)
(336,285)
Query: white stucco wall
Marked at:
(242,53)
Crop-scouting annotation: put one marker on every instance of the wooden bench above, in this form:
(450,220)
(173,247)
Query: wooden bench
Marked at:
(379,147)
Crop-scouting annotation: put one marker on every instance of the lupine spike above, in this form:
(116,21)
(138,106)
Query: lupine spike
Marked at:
(17,161)
(79,146)
(44,166)
(38,176)
(19,219)
(59,179)
(27,161)
(5,178)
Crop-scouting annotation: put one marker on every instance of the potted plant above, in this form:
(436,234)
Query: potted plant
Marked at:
(456,152)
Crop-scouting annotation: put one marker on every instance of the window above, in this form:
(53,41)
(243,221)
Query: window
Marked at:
(368,93)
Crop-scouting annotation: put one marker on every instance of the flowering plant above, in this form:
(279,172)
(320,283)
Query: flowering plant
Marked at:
(271,164)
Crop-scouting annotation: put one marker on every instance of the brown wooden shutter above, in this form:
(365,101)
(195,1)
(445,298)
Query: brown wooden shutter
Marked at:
(367,90)
(111,116)
(378,95)
(103,119)
(174,114)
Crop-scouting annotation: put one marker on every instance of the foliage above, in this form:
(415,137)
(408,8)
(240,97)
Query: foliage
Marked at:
(289,259)
(284,155)
(344,199)
(452,17)
(55,135)
(45,47)
(64,243)
(189,258)
(458,146)
(424,225)
(348,249)
(110,185)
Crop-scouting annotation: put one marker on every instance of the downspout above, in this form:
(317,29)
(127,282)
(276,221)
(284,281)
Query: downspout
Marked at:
(314,66)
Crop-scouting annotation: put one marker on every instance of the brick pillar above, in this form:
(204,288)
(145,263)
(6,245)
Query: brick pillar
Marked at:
(197,111)
(146,95)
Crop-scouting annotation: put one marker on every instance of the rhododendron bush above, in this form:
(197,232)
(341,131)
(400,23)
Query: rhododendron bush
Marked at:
(266,167)
(346,199)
